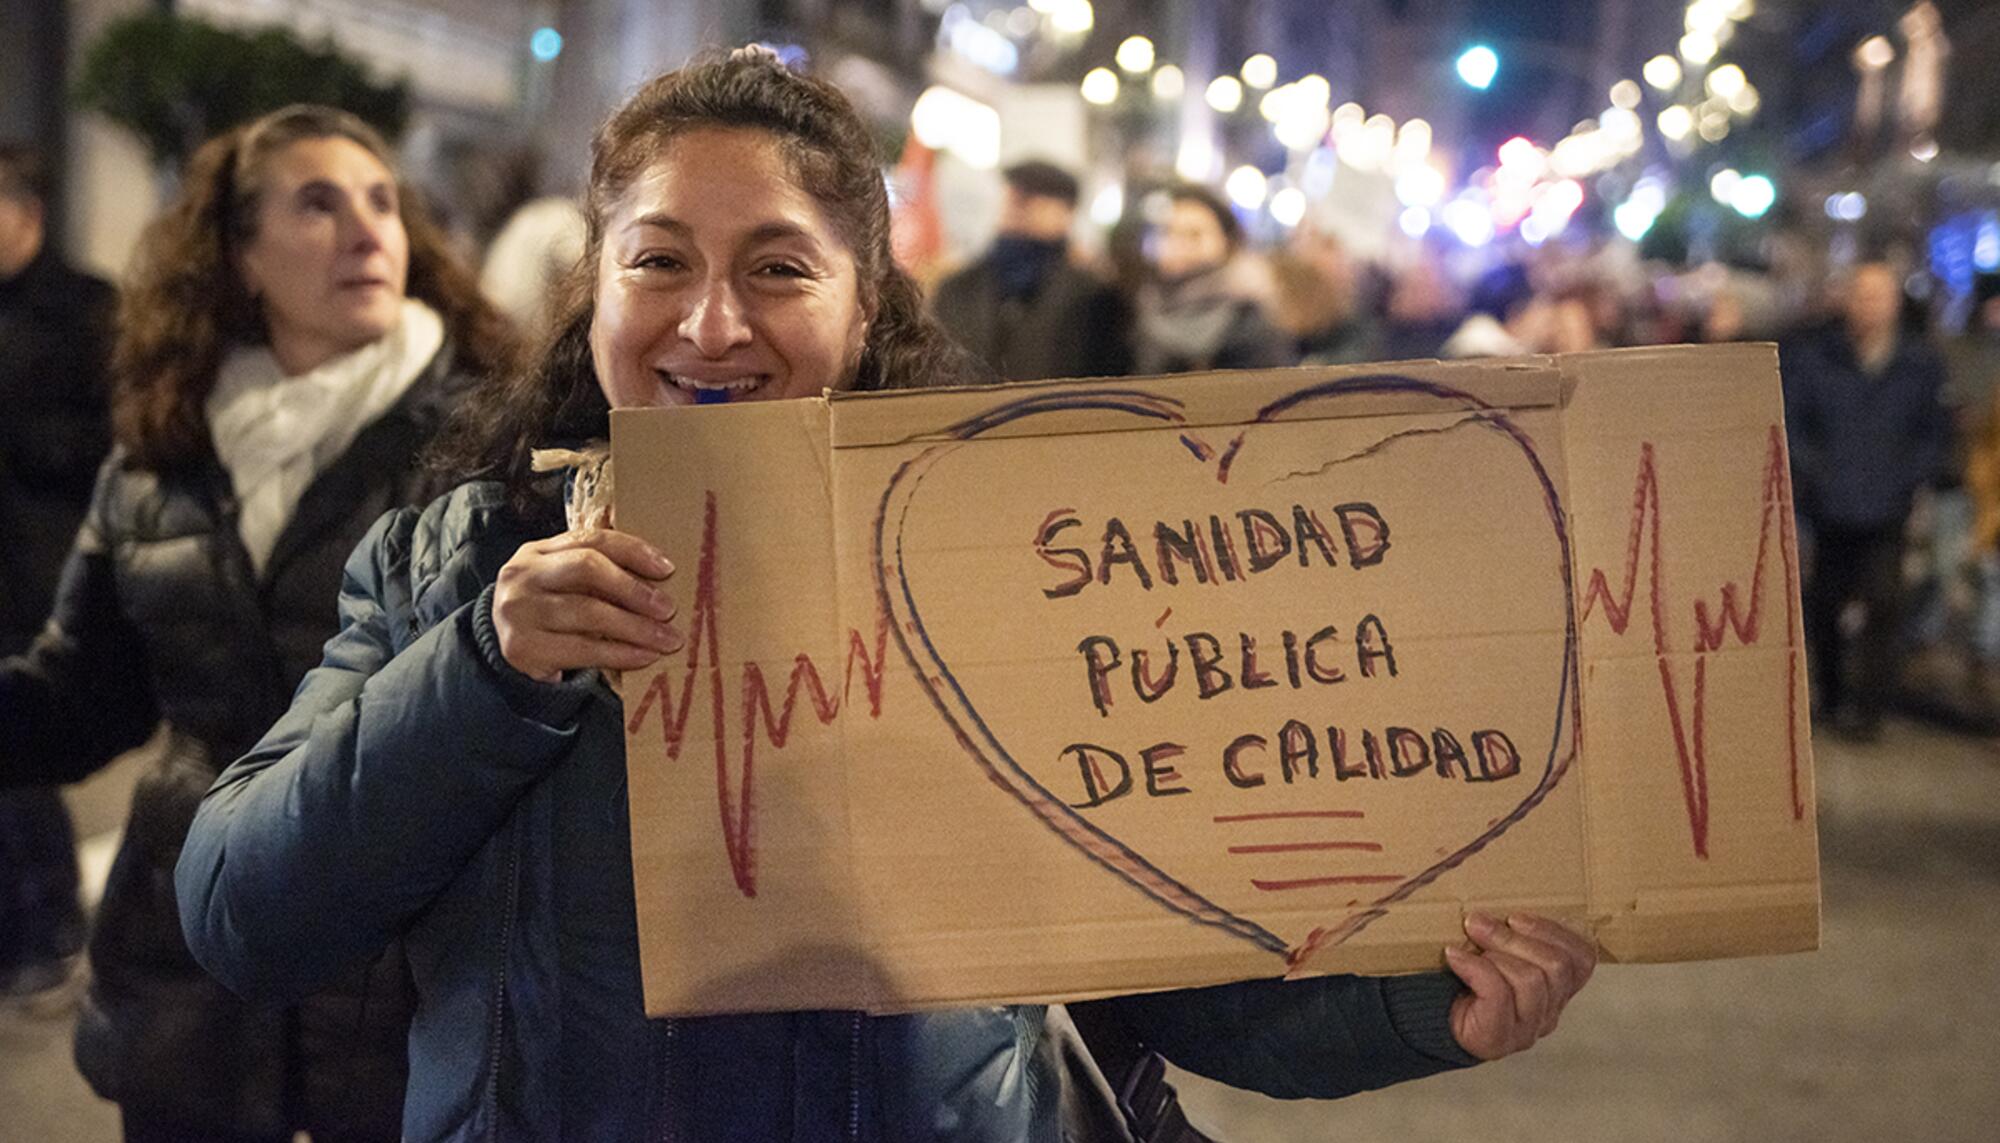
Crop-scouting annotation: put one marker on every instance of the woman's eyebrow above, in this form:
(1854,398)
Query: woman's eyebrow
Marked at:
(774,230)
(662,221)
(777,229)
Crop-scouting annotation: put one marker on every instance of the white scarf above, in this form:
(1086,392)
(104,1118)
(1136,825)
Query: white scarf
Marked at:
(276,433)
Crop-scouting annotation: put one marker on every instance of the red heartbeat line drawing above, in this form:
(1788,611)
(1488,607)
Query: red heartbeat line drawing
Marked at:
(1711,630)
(734,800)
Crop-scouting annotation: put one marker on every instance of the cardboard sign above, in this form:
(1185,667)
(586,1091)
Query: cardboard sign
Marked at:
(1059,690)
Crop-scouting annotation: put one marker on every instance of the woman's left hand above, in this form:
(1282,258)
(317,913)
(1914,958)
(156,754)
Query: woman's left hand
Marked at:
(1524,972)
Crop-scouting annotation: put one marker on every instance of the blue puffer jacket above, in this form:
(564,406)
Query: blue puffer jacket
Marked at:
(420,787)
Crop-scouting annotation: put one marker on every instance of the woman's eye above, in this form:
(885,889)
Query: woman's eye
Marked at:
(784,270)
(656,262)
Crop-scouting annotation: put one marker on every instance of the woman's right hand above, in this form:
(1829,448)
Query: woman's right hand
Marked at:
(589,599)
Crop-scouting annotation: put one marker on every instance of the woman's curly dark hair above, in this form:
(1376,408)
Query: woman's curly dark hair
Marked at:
(185,303)
(555,400)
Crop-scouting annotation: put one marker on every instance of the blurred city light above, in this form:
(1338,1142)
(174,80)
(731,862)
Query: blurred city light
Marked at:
(545,44)
(1746,102)
(1726,82)
(1245,187)
(1302,125)
(1413,142)
(1478,66)
(1723,184)
(1288,206)
(1635,216)
(1100,86)
(980,45)
(1698,47)
(1135,55)
(1924,149)
(1849,207)
(1196,160)
(947,120)
(1705,17)
(1415,221)
(1260,71)
(1108,206)
(1470,221)
(1625,94)
(1420,186)
(1676,122)
(1663,72)
(1986,246)
(1521,159)
(1875,53)
(1225,94)
(1712,121)
(1754,197)
(1633,220)
(1072,17)
(1168,83)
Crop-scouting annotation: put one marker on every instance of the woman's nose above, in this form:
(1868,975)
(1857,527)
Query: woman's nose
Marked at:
(364,229)
(716,323)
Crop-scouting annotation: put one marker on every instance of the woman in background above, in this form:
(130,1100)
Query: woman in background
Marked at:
(293,335)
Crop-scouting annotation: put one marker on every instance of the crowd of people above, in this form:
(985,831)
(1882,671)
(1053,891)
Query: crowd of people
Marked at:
(281,501)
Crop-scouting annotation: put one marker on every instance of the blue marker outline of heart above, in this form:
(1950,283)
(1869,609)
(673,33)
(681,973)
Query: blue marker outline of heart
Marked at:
(971,731)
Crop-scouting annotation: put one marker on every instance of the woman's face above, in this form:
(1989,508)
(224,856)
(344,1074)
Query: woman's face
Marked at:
(1191,240)
(720,279)
(330,259)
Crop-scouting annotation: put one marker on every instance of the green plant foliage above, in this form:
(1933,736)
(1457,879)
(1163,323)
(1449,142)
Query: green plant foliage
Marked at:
(174,81)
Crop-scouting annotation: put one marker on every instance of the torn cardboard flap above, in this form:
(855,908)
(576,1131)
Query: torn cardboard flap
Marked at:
(1067,689)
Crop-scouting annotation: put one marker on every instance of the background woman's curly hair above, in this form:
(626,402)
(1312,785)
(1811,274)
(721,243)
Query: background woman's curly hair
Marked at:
(185,304)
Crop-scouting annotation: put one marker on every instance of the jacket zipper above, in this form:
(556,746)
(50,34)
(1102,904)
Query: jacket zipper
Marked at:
(667,1033)
(497,1026)
(854,1079)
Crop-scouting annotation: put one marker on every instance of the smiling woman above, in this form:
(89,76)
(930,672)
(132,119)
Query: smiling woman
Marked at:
(720,277)
(454,774)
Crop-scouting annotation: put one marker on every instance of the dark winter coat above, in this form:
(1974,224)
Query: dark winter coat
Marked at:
(1069,325)
(161,617)
(55,341)
(442,797)
(1862,444)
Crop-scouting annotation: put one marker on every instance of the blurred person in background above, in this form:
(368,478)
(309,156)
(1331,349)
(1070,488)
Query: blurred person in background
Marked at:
(529,258)
(1867,426)
(1194,314)
(1723,320)
(1025,308)
(55,337)
(453,775)
(1500,317)
(1318,301)
(293,334)
(1419,313)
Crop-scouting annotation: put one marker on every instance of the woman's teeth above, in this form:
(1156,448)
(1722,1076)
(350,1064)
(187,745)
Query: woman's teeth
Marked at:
(741,385)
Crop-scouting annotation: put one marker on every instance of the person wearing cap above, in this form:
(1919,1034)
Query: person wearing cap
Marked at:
(1025,308)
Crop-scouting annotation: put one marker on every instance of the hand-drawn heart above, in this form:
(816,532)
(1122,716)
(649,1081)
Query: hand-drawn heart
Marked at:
(931,645)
